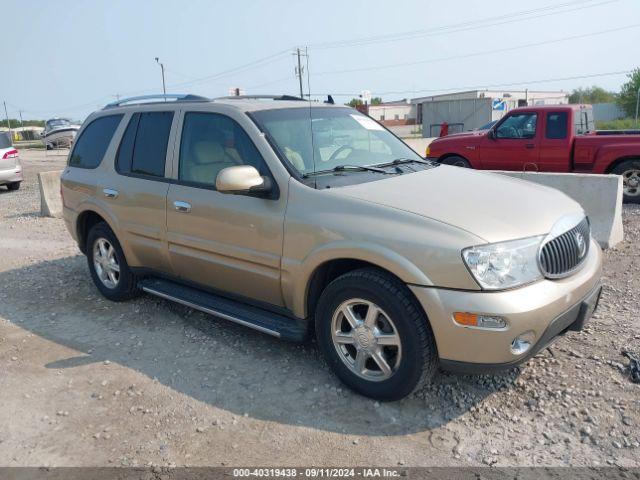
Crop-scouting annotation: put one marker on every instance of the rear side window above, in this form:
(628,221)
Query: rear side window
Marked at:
(143,149)
(90,148)
(557,125)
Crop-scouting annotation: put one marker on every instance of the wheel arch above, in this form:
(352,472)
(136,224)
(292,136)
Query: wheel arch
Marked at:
(620,160)
(85,221)
(446,156)
(329,270)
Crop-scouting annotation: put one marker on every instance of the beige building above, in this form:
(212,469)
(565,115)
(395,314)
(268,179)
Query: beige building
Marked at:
(401,112)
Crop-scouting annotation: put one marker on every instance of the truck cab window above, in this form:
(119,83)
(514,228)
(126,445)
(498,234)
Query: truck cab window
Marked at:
(556,125)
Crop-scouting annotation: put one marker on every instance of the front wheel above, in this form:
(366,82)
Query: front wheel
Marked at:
(630,172)
(13,186)
(457,162)
(374,335)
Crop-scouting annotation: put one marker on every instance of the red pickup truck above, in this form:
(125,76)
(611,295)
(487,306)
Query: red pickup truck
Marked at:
(549,138)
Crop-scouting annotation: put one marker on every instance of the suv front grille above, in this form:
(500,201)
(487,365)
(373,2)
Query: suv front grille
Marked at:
(563,254)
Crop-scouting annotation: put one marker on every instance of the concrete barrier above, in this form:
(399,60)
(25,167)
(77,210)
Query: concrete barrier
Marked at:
(599,195)
(418,145)
(50,200)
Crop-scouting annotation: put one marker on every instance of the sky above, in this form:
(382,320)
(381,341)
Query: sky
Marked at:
(69,58)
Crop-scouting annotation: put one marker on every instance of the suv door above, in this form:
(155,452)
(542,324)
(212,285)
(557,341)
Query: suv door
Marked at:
(230,243)
(137,191)
(512,144)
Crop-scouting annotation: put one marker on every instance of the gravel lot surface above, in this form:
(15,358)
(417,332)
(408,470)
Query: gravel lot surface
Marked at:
(87,382)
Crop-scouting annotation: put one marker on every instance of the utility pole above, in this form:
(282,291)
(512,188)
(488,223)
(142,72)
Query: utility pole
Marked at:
(164,90)
(299,72)
(8,121)
(21,122)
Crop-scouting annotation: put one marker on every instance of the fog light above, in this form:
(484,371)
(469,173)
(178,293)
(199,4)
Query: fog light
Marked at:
(479,321)
(522,343)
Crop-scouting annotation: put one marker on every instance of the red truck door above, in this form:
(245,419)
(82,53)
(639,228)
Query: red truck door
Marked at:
(555,144)
(512,144)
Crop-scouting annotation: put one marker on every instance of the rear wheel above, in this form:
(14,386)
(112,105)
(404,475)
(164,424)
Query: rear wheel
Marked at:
(13,186)
(109,269)
(457,162)
(630,173)
(374,335)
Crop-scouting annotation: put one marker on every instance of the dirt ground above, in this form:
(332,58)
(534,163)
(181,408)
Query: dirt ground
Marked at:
(87,382)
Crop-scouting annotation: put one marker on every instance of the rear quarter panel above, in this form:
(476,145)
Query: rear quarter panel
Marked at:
(597,154)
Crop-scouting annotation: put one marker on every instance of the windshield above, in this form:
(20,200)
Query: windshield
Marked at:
(341,136)
(58,122)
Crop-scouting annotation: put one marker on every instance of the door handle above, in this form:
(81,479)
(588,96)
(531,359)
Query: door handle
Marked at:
(183,207)
(110,192)
(529,146)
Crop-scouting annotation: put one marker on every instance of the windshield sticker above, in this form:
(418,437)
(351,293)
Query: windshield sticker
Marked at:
(367,123)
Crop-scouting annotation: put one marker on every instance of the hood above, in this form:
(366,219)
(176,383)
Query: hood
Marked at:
(474,133)
(491,206)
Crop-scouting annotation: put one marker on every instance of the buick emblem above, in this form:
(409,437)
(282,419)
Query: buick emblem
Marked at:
(581,244)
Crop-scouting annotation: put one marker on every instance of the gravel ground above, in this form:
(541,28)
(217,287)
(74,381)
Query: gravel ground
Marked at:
(86,382)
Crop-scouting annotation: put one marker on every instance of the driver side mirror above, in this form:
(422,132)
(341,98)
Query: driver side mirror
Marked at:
(243,180)
(492,134)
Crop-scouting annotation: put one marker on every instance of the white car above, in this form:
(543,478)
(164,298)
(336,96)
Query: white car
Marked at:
(10,168)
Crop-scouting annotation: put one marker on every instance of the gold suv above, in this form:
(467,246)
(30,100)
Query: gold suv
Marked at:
(293,217)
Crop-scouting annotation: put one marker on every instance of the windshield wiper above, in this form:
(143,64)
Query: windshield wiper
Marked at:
(400,161)
(346,168)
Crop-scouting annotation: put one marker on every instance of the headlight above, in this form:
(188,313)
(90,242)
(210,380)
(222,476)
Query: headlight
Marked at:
(506,264)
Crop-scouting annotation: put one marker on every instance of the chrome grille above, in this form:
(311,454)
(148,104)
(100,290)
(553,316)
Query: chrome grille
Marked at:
(564,253)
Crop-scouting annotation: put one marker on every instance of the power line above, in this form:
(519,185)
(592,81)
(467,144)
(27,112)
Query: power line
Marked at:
(476,54)
(466,26)
(256,63)
(482,87)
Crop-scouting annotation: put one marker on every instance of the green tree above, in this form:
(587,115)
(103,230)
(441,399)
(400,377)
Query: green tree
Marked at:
(354,102)
(591,95)
(629,93)
(15,123)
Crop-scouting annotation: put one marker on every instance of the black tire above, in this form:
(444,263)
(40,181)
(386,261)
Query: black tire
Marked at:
(127,285)
(13,186)
(631,195)
(457,162)
(419,359)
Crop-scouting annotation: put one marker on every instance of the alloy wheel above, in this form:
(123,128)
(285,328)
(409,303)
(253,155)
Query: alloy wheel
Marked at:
(366,339)
(631,182)
(105,262)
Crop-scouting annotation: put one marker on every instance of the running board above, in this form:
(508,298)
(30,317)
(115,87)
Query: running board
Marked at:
(271,323)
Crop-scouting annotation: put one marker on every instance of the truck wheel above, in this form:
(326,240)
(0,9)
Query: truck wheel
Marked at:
(109,269)
(374,335)
(13,186)
(630,172)
(457,162)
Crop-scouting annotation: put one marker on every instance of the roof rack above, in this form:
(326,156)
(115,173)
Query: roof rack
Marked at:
(178,97)
(261,97)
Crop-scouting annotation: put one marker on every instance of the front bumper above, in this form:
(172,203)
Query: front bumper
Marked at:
(547,308)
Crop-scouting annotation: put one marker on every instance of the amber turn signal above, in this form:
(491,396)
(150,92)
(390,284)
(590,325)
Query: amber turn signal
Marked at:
(479,321)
